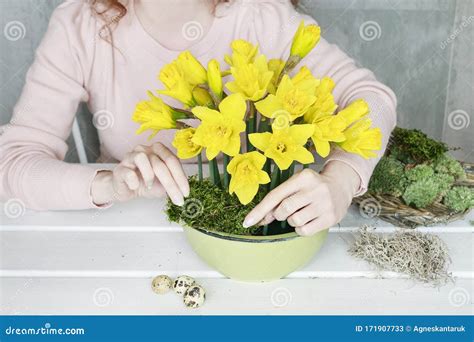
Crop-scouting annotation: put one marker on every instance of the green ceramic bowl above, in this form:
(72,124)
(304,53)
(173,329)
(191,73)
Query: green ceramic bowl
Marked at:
(254,258)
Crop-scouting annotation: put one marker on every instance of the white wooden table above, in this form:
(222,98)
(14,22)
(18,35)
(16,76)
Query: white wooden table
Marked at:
(102,262)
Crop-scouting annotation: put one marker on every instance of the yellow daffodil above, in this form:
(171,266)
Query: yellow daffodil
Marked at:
(214,78)
(247,175)
(304,80)
(155,115)
(289,98)
(251,80)
(285,145)
(183,142)
(176,85)
(354,112)
(243,52)
(192,69)
(275,65)
(220,130)
(324,104)
(327,129)
(362,140)
(305,39)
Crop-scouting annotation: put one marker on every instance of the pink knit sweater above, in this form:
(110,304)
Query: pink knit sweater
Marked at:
(74,65)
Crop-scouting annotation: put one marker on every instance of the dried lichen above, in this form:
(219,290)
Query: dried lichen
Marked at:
(423,257)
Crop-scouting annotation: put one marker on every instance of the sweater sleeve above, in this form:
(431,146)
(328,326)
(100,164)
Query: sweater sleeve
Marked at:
(273,26)
(32,145)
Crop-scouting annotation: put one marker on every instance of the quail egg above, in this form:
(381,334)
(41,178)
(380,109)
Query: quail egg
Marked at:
(161,284)
(182,283)
(194,296)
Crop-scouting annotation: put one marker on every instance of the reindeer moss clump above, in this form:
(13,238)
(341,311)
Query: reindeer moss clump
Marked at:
(459,198)
(210,208)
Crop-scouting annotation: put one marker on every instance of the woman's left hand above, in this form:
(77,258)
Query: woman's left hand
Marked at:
(310,201)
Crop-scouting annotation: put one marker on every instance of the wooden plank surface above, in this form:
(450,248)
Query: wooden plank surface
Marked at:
(116,296)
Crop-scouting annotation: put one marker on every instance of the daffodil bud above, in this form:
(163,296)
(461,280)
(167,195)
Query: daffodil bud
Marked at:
(305,39)
(202,97)
(214,78)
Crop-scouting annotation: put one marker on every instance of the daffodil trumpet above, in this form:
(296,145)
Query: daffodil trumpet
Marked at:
(258,117)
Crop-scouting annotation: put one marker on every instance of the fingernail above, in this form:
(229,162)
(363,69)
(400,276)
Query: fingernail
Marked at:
(179,202)
(149,185)
(248,222)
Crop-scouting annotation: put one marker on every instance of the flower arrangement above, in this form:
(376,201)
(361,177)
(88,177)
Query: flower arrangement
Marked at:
(282,118)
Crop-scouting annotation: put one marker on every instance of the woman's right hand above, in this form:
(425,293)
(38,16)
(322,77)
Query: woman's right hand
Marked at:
(148,171)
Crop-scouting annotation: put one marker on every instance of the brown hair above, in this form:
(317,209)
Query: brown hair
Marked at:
(111,11)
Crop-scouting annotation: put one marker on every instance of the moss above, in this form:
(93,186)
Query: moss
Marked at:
(419,172)
(421,193)
(415,147)
(444,181)
(210,208)
(459,198)
(388,177)
(446,164)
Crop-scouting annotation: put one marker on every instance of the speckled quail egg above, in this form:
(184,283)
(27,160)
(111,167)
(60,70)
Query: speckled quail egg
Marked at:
(194,296)
(161,284)
(182,283)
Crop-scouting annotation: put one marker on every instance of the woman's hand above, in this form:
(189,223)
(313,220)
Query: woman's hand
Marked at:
(309,201)
(147,171)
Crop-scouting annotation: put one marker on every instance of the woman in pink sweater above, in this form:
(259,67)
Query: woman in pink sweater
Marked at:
(77,63)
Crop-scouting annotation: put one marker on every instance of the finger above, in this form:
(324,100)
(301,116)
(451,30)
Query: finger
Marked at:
(156,191)
(274,198)
(321,223)
(125,179)
(166,180)
(174,165)
(143,163)
(269,218)
(304,216)
(291,204)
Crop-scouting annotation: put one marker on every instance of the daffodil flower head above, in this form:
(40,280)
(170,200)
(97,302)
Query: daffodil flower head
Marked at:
(251,80)
(183,142)
(362,140)
(354,112)
(304,80)
(155,115)
(305,39)
(289,97)
(247,175)
(243,52)
(176,85)
(220,130)
(286,145)
(324,105)
(214,78)
(327,129)
(191,68)
(202,97)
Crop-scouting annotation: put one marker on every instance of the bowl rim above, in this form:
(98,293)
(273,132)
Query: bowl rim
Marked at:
(248,238)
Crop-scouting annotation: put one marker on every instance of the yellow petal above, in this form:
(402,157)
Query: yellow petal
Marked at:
(301,133)
(322,147)
(303,156)
(269,106)
(204,113)
(234,106)
(260,140)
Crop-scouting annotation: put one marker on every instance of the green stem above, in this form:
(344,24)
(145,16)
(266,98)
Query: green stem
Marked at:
(199,158)
(291,170)
(226,174)
(275,177)
(214,173)
(251,121)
